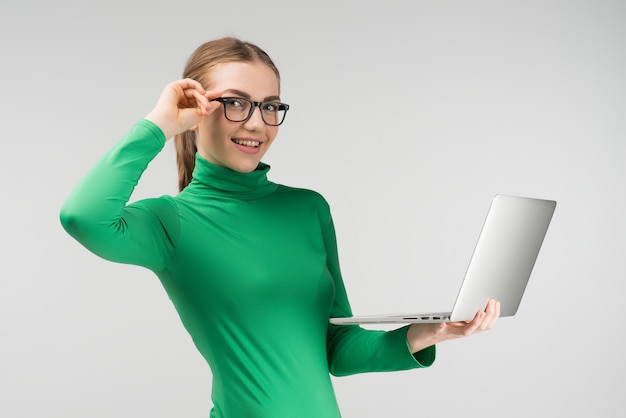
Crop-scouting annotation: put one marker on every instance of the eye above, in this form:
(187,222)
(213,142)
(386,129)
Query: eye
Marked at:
(271,107)
(235,103)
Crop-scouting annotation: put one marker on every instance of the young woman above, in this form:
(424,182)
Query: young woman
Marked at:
(251,266)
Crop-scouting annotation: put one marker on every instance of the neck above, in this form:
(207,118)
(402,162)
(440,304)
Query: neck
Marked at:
(209,178)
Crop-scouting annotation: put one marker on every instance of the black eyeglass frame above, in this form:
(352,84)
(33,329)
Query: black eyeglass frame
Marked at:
(281,106)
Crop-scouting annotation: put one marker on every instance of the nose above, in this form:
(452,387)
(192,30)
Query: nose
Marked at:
(255,121)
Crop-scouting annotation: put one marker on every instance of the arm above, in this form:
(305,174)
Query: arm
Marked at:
(96,213)
(352,349)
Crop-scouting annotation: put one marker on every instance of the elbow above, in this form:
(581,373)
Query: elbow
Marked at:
(80,227)
(74,221)
(69,220)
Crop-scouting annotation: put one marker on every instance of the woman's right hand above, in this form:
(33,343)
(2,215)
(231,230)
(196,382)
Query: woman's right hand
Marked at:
(181,106)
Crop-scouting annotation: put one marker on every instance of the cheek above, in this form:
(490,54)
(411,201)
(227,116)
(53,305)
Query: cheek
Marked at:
(217,130)
(212,137)
(271,132)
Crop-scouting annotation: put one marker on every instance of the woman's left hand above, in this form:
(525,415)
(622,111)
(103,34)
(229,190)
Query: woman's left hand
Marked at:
(420,336)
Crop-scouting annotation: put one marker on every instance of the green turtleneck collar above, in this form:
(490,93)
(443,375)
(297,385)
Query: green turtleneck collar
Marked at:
(215,180)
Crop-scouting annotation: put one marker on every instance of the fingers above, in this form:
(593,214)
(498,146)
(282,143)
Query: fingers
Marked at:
(474,325)
(436,333)
(485,320)
(196,99)
(208,96)
(492,314)
(190,92)
(187,86)
(192,95)
(181,106)
(482,321)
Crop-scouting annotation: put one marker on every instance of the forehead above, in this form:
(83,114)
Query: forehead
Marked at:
(254,78)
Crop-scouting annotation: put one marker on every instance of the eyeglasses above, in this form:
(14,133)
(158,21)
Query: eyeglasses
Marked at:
(237,109)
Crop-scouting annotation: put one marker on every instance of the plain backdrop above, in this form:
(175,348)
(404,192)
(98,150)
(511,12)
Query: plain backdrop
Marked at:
(407,116)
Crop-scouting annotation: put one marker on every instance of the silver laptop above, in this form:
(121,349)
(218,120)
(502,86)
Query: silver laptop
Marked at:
(500,267)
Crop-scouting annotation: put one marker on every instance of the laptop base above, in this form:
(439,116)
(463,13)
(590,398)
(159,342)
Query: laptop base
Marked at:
(393,319)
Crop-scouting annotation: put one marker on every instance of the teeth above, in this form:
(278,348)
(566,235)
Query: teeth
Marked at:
(247,143)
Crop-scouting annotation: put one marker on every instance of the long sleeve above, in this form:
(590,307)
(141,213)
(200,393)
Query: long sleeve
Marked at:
(352,349)
(96,213)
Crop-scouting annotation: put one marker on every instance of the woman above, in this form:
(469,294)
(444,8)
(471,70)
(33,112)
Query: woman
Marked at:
(251,266)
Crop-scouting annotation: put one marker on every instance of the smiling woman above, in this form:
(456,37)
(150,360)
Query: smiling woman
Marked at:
(224,142)
(201,67)
(251,266)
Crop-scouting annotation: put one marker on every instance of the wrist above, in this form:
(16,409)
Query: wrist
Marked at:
(162,123)
(421,336)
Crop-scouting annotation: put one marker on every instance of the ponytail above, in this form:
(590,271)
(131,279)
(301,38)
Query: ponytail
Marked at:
(185,144)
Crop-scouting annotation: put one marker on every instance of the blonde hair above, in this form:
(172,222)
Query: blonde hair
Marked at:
(198,66)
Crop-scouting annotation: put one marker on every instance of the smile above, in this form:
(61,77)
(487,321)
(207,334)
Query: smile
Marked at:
(246,142)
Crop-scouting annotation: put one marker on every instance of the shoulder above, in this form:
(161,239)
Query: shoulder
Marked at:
(307,197)
(298,193)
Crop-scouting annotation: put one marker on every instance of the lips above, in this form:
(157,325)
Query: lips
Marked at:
(253,143)
(247,145)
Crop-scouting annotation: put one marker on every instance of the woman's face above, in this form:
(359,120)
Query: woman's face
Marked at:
(238,145)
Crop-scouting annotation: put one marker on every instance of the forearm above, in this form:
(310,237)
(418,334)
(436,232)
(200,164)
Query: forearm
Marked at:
(421,336)
(352,349)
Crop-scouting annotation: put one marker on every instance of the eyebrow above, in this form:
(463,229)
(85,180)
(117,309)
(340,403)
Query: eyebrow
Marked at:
(247,96)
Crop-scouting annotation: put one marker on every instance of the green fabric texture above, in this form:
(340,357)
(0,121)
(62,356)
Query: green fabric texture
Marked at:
(251,268)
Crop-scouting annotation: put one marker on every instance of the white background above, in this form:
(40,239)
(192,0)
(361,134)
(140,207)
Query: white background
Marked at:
(407,116)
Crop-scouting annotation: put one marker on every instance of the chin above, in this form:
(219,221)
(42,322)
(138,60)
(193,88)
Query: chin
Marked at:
(245,167)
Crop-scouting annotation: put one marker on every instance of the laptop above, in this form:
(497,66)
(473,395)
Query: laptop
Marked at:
(500,267)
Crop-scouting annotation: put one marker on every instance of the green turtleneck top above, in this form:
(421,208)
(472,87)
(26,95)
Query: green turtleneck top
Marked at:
(251,268)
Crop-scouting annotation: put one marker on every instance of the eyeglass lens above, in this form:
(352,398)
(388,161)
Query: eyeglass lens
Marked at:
(239,110)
